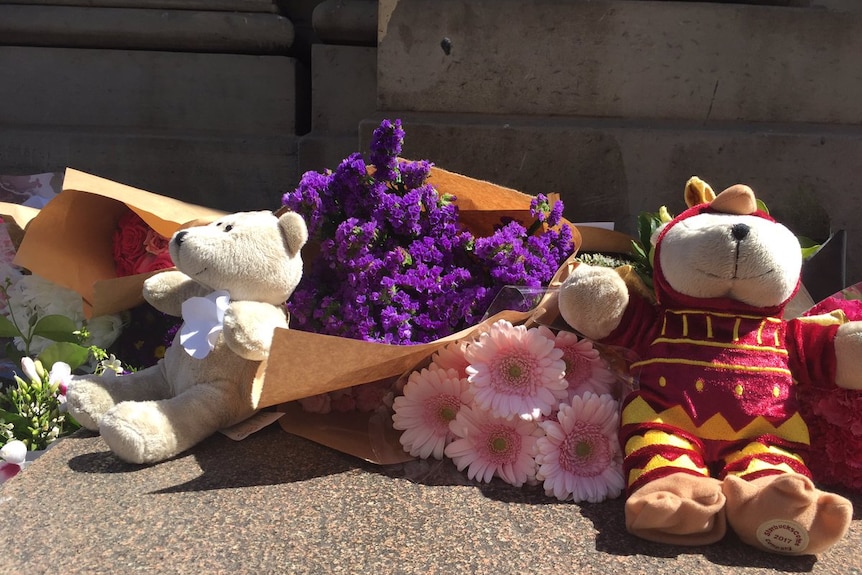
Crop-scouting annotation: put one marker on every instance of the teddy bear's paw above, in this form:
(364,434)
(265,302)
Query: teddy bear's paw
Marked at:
(87,401)
(592,300)
(848,355)
(138,432)
(786,514)
(679,509)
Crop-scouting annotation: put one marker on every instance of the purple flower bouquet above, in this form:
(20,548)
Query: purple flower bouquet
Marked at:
(404,258)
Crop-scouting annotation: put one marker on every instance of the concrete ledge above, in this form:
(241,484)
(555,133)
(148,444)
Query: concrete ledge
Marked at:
(228,172)
(638,59)
(351,22)
(127,89)
(275,503)
(145,29)
(343,89)
(215,5)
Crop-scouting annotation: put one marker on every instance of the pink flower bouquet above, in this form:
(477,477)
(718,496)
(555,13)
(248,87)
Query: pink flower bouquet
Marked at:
(523,404)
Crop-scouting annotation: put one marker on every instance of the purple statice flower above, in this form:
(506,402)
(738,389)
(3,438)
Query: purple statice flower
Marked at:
(307,199)
(394,264)
(386,144)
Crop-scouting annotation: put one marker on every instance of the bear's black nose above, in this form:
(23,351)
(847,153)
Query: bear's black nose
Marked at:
(178,237)
(740,231)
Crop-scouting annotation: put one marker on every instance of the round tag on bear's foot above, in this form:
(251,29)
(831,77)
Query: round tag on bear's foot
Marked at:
(783,536)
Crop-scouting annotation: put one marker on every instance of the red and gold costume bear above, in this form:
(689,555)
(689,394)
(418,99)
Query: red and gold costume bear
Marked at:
(713,436)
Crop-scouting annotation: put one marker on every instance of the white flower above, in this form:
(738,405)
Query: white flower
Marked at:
(111,366)
(14,452)
(33,297)
(28,366)
(13,458)
(104,330)
(60,375)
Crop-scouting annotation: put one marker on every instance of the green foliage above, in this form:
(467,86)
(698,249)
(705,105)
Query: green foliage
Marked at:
(603,260)
(642,248)
(60,329)
(809,247)
(30,411)
(71,353)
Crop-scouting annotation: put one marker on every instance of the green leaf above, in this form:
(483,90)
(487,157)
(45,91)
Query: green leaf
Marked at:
(71,353)
(808,252)
(638,251)
(7,328)
(10,417)
(56,328)
(809,247)
(645,228)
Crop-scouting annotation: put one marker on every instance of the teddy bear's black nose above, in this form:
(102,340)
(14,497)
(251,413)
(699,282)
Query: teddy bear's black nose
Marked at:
(178,237)
(740,231)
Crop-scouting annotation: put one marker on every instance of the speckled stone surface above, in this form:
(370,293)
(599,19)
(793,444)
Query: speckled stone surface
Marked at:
(275,503)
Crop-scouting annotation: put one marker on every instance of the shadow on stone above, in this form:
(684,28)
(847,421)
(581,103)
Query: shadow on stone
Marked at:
(269,457)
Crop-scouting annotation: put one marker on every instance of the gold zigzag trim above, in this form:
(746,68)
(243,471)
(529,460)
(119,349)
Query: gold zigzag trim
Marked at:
(757,465)
(657,462)
(716,427)
(757,449)
(656,437)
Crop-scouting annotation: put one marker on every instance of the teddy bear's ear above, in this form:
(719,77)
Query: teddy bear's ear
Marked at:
(294,230)
(697,192)
(737,199)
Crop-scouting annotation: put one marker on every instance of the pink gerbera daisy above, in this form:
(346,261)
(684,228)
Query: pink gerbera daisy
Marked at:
(579,457)
(432,398)
(451,356)
(487,445)
(585,368)
(515,371)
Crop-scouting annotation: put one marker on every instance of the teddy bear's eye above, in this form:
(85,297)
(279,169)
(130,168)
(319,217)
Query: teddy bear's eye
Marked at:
(228,228)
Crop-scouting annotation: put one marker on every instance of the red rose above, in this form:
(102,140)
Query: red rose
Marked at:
(137,248)
(150,263)
(156,244)
(128,243)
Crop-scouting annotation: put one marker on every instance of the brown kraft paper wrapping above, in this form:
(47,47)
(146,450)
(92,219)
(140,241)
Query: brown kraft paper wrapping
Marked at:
(70,240)
(303,364)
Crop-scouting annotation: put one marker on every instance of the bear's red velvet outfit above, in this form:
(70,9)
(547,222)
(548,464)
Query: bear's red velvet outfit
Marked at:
(716,379)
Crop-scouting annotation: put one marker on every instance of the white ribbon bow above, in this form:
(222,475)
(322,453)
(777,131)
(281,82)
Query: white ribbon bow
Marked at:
(203,319)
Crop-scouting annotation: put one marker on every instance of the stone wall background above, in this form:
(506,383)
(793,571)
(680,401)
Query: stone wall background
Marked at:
(613,104)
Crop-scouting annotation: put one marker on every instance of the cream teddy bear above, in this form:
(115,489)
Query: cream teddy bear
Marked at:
(713,437)
(232,279)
